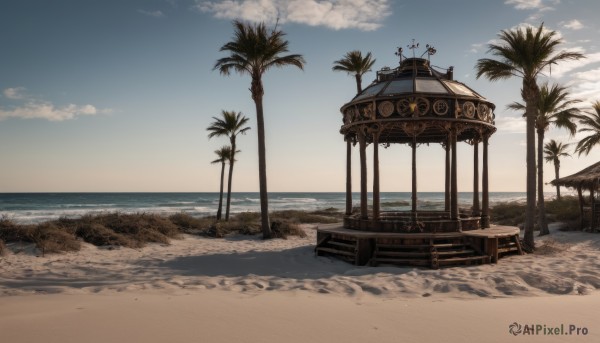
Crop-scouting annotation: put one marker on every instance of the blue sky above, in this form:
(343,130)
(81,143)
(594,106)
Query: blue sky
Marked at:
(115,95)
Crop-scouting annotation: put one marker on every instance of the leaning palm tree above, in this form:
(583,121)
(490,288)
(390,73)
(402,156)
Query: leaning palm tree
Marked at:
(223,156)
(525,53)
(231,125)
(554,108)
(355,64)
(253,51)
(591,123)
(554,151)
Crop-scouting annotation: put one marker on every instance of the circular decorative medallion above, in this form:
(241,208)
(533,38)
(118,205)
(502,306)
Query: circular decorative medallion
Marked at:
(468,109)
(440,107)
(386,108)
(422,106)
(413,106)
(368,112)
(348,118)
(404,107)
(482,110)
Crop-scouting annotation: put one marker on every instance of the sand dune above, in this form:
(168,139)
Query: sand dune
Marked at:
(284,276)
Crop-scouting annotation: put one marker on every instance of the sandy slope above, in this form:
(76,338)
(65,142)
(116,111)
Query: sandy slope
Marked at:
(243,289)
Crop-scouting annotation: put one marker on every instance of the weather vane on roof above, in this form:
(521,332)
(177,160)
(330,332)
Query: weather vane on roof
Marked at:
(429,50)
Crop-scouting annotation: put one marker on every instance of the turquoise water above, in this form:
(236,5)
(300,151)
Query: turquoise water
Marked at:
(36,207)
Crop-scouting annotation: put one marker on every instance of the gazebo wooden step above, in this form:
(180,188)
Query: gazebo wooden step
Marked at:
(401,254)
(413,262)
(456,252)
(342,244)
(403,246)
(335,251)
(449,245)
(463,260)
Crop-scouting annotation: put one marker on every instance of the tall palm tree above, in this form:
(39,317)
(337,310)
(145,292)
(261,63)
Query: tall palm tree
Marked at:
(554,151)
(231,125)
(591,123)
(253,51)
(223,156)
(525,53)
(355,64)
(554,108)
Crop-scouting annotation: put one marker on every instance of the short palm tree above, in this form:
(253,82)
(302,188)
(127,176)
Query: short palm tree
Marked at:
(553,151)
(231,125)
(591,124)
(355,64)
(253,51)
(554,108)
(525,53)
(223,156)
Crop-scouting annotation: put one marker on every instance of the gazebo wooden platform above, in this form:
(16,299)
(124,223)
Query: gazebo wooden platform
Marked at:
(430,249)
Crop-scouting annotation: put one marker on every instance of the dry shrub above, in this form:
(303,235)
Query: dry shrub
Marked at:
(551,247)
(303,217)
(11,232)
(2,248)
(281,229)
(511,214)
(145,228)
(188,224)
(50,238)
(100,235)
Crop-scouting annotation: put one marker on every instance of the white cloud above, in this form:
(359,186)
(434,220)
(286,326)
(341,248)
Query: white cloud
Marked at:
(48,111)
(14,93)
(525,4)
(566,67)
(507,124)
(155,14)
(364,15)
(572,24)
(31,108)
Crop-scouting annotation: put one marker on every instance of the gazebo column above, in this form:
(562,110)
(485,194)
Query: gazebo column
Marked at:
(348,175)
(485,211)
(362,144)
(447,177)
(375,178)
(476,211)
(453,179)
(414,180)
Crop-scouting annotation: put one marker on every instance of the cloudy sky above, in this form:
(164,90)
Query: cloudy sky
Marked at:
(115,95)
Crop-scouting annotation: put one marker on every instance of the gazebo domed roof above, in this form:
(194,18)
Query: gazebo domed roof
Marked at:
(415,99)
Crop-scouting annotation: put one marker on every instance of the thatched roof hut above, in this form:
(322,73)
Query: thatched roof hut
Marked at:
(586,179)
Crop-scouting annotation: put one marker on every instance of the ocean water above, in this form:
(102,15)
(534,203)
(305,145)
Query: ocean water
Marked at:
(38,207)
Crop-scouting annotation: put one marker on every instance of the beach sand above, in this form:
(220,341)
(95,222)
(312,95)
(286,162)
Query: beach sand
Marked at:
(242,289)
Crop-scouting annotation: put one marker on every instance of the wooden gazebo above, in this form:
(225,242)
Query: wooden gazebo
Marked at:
(587,179)
(416,104)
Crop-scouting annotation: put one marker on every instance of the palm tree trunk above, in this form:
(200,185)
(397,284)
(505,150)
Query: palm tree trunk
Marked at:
(542,221)
(229,181)
(221,191)
(556,168)
(257,92)
(358,83)
(531,111)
